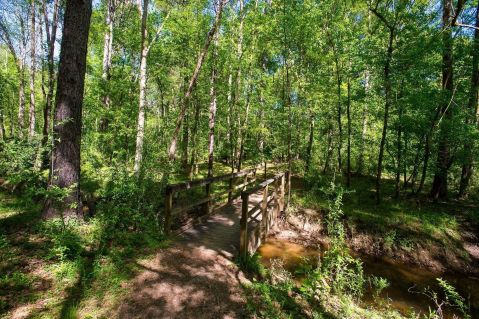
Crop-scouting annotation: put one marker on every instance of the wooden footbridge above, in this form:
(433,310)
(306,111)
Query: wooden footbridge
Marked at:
(190,205)
(214,219)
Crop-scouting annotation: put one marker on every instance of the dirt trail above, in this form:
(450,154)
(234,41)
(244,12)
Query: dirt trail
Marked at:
(196,277)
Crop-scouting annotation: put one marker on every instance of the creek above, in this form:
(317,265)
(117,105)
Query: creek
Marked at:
(405,281)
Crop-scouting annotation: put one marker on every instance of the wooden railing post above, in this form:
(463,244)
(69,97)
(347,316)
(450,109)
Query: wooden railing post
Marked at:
(245,182)
(208,194)
(288,188)
(230,188)
(264,213)
(244,226)
(168,207)
(276,209)
(281,193)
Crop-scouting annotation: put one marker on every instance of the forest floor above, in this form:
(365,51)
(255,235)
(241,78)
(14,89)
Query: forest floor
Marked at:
(38,279)
(437,236)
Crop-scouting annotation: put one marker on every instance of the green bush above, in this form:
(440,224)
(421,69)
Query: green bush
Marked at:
(18,165)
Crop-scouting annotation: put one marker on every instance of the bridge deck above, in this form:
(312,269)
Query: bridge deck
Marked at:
(196,277)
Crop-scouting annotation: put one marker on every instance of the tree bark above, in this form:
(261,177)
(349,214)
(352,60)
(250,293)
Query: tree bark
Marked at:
(309,149)
(51,39)
(348,113)
(68,111)
(212,116)
(338,114)
(32,115)
(439,184)
(107,57)
(467,167)
(140,129)
(387,88)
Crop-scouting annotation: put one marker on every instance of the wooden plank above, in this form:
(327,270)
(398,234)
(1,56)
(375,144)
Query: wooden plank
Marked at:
(202,182)
(264,213)
(244,226)
(263,184)
(168,211)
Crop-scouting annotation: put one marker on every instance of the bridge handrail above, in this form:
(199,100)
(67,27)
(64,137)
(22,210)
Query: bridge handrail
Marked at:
(280,180)
(206,201)
(202,182)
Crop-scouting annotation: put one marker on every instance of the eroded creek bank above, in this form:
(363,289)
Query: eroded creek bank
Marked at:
(299,238)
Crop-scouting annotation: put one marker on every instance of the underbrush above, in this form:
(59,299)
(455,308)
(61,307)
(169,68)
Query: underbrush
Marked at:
(66,268)
(397,227)
(334,286)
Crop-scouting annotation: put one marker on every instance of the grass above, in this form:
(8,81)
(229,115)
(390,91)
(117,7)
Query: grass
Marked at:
(400,222)
(64,272)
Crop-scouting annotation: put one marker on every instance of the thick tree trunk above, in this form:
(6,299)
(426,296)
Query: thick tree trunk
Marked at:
(387,88)
(140,129)
(32,115)
(68,110)
(439,184)
(467,168)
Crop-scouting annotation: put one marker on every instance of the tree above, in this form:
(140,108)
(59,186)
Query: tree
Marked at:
(471,117)
(51,35)
(67,128)
(32,115)
(444,160)
(391,27)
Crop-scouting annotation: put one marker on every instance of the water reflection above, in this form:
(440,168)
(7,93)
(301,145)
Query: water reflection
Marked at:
(405,281)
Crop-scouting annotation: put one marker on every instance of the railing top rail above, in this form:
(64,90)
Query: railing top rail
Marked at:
(262,185)
(201,182)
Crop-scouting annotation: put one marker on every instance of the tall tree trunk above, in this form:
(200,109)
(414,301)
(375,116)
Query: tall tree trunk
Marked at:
(140,129)
(2,125)
(467,168)
(309,149)
(212,116)
(194,139)
(107,57)
(439,184)
(32,115)
(338,114)
(194,77)
(348,112)
(399,153)
(387,88)
(51,40)
(68,110)
(21,100)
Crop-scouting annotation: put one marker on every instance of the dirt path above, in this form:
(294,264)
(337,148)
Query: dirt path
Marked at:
(196,277)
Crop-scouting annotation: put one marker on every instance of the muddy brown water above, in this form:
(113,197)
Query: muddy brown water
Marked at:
(405,282)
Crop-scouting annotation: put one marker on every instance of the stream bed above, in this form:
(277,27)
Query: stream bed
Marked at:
(405,282)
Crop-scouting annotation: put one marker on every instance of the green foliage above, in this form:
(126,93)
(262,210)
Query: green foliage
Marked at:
(251,264)
(453,298)
(18,165)
(67,244)
(14,281)
(378,284)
